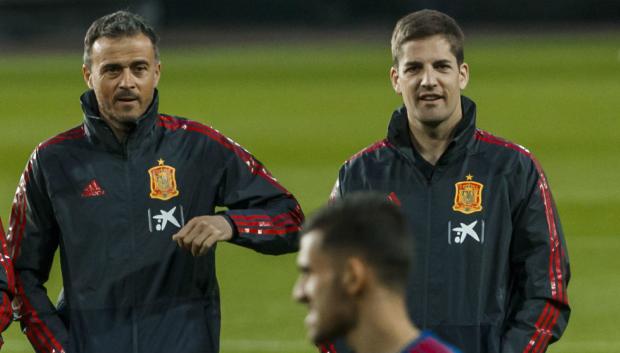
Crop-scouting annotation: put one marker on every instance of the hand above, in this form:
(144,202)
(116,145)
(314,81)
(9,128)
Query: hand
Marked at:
(199,234)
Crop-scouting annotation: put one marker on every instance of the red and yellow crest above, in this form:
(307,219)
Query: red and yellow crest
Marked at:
(468,196)
(163,182)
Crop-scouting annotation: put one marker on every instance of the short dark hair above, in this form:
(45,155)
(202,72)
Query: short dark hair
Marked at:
(427,23)
(116,25)
(369,226)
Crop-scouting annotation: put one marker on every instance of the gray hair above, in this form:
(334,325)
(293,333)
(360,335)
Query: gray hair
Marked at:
(116,25)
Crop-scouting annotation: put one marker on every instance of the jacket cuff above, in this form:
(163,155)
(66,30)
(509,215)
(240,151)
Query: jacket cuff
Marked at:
(233,226)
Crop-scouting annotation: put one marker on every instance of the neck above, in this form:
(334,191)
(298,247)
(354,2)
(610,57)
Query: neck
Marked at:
(120,130)
(431,141)
(383,324)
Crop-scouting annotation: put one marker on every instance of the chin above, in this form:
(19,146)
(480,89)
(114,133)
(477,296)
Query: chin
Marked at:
(432,121)
(318,338)
(126,118)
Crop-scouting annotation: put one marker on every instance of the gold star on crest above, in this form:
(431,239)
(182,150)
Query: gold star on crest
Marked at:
(469,177)
(161,162)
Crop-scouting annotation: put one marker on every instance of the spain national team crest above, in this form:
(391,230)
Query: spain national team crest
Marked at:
(468,196)
(163,181)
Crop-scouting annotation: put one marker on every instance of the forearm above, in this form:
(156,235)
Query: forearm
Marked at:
(538,323)
(38,316)
(270,230)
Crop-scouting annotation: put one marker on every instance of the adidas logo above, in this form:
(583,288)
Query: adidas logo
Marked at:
(394,199)
(93,190)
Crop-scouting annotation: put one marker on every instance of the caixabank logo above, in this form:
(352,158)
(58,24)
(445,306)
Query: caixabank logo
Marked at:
(160,220)
(459,233)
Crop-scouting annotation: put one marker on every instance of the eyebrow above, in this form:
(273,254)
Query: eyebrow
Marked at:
(133,63)
(442,61)
(110,66)
(412,63)
(139,62)
(416,62)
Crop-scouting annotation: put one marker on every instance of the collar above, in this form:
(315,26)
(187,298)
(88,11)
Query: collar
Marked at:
(99,131)
(398,134)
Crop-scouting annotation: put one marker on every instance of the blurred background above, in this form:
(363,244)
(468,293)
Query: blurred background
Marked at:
(25,20)
(304,85)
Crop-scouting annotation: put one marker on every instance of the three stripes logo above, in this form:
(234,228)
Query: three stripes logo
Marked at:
(93,190)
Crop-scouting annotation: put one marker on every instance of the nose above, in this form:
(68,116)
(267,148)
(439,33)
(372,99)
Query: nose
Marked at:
(299,294)
(428,78)
(127,79)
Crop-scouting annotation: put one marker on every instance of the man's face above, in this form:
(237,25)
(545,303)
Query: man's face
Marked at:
(123,74)
(331,312)
(430,81)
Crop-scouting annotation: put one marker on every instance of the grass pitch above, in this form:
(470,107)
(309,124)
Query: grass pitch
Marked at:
(303,109)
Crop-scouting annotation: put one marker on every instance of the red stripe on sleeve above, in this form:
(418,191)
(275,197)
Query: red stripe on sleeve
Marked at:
(18,214)
(265,223)
(556,246)
(6,312)
(259,217)
(72,134)
(539,324)
(547,333)
(5,260)
(37,331)
(556,252)
(375,146)
(555,283)
(253,165)
(287,222)
(281,231)
(327,348)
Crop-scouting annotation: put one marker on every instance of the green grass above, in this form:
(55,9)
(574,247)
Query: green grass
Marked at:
(304,109)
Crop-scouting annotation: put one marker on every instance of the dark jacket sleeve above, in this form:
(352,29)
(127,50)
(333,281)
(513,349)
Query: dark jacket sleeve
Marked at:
(33,240)
(7,283)
(539,309)
(336,193)
(266,217)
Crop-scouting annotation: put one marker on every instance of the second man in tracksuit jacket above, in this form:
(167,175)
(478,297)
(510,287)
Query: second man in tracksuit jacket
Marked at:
(490,270)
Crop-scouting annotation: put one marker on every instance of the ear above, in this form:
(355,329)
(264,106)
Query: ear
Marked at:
(394,80)
(157,73)
(355,276)
(463,75)
(87,76)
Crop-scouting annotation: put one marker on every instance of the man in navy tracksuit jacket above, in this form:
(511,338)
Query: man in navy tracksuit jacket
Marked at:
(129,198)
(490,270)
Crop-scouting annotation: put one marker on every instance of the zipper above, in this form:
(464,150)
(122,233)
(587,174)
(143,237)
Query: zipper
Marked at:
(429,197)
(130,213)
(428,183)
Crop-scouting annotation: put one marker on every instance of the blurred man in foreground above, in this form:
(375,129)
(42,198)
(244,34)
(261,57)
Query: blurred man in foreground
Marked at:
(129,198)
(353,263)
(490,267)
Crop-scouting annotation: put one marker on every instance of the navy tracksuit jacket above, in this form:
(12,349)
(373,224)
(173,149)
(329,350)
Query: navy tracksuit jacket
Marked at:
(111,209)
(490,266)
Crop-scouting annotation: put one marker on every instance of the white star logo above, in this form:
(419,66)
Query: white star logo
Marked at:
(464,231)
(164,217)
